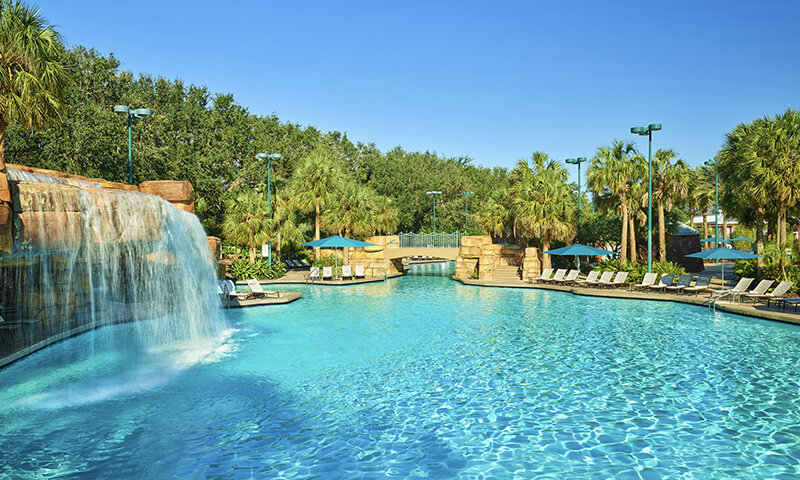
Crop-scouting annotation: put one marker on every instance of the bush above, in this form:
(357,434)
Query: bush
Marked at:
(242,269)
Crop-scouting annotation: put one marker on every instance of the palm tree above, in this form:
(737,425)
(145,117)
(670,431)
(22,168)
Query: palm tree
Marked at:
(702,194)
(314,184)
(33,80)
(670,182)
(613,171)
(247,223)
(543,200)
(494,217)
(286,224)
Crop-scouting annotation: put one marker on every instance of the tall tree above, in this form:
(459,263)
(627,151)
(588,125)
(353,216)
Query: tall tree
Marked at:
(247,223)
(670,184)
(32,78)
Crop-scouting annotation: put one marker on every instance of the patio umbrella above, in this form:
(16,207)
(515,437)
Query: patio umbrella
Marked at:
(714,239)
(741,239)
(721,253)
(578,249)
(337,242)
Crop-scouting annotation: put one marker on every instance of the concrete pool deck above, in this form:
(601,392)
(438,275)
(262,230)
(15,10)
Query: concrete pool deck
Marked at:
(749,309)
(299,277)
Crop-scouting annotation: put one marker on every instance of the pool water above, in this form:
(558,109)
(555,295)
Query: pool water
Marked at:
(418,377)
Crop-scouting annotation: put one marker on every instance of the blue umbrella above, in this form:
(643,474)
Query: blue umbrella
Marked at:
(723,253)
(713,239)
(337,242)
(740,239)
(578,249)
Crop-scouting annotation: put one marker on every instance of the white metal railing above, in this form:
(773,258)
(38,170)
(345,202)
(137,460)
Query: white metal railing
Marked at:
(430,240)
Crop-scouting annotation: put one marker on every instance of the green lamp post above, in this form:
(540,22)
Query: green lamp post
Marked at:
(137,114)
(713,163)
(648,131)
(466,209)
(434,193)
(578,161)
(268,156)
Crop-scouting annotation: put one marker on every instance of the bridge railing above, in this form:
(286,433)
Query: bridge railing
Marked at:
(429,240)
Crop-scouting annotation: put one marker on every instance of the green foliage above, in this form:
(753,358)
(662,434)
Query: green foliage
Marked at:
(746,232)
(636,270)
(242,269)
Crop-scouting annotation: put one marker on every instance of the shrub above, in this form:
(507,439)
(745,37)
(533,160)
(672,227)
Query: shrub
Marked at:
(242,269)
(636,270)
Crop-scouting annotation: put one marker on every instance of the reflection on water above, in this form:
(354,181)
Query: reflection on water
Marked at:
(421,376)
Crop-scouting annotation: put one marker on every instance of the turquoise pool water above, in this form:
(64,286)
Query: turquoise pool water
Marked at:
(417,377)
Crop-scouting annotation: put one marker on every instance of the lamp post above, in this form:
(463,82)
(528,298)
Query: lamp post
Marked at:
(268,156)
(137,114)
(434,193)
(648,131)
(713,163)
(578,161)
(466,208)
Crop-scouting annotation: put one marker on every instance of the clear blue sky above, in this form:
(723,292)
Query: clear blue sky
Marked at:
(494,81)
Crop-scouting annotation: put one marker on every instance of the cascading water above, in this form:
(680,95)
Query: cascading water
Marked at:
(86,257)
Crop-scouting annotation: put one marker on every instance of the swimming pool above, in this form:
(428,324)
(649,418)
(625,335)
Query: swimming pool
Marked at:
(418,377)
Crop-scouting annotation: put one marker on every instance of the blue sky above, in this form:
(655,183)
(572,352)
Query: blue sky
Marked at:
(494,81)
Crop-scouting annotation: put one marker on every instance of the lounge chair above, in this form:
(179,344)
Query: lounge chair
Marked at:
(666,281)
(619,280)
(558,276)
(544,276)
(571,277)
(327,273)
(739,288)
(255,287)
(702,284)
(288,264)
(605,277)
(297,264)
(760,289)
(360,271)
(648,280)
(591,277)
(683,281)
(347,271)
(305,263)
(229,291)
(779,291)
(313,274)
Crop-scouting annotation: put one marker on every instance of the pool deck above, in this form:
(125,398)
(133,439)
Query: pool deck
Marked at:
(749,309)
(299,277)
(283,298)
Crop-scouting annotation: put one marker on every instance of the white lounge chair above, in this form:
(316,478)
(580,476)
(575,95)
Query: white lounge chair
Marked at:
(571,277)
(255,287)
(619,280)
(347,271)
(760,289)
(327,273)
(605,277)
(229,291)
(702,284)
(313,274)
(591,277)
(779,291)
(648,280)
(741,286)
(360,271)
(664,282)
(544,276)
(683,281)
(558,276)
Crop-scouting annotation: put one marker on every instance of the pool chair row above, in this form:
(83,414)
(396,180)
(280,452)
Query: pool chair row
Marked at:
(759,293)
(327,273)
(227,290)
(572,277)
(297,263)
(665,283)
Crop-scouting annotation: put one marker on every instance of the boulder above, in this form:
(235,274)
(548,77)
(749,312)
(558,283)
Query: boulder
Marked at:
(50,230)
(5,189)
(117,186)
(6,240)
(169,190)
(186,207)
(46,197)
(475,240)
(214,244)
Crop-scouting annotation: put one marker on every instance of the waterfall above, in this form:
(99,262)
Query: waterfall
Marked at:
(86,257)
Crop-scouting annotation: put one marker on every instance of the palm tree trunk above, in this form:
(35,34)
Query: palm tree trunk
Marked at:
(759,244)
(725,233)
(346,250)
(623,254)
(705,227)
(632,237)
(252,255)
(662,232)
(3,126)
(278,246)
(316,228)
(545,247)
(691,219)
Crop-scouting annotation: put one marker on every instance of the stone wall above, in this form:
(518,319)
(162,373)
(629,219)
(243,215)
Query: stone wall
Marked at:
(372,258)
(478,251)
(531,265)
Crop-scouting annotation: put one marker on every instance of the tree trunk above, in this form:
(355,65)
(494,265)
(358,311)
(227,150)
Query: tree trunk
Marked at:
(278,246)
(346,250)
(316,228)
(691,219)
(725,233)
(662,232)
(705,227)
(632,237)
(545,247)
(623,253)
(759,244)
(3,126)
(252,255)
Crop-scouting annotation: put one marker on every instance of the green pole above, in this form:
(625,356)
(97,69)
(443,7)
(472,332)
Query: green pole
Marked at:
(130,153)
(579,199)
(434,216)
(466,211)
(716,207)
(649,202)
(269,209)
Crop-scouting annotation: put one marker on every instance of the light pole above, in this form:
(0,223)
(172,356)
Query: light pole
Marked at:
(713,163)
(578,161)
(268,156)
(434,193)
(137,114)
(466,209)
(648,131)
